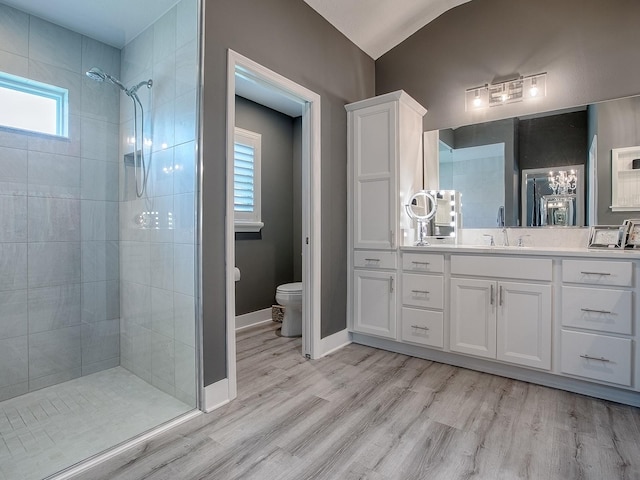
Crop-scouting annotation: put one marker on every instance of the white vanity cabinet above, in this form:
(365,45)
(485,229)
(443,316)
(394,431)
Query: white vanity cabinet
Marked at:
(597,320)
(498,318)
(374,293)
(385,166)
(422,315)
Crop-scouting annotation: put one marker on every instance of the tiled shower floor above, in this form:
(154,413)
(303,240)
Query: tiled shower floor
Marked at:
(47,430)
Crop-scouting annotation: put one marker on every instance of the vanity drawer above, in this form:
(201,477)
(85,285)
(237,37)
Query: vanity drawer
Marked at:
(422,290)
(422,262)
(595,272)
(597,309)
(598,357)
(422,326)
(374,259)
(502,267)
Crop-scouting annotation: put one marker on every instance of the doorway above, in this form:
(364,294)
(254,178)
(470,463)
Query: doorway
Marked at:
(267,86)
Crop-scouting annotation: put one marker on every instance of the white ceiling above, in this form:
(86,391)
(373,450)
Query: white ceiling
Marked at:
(376,26)
(114,22)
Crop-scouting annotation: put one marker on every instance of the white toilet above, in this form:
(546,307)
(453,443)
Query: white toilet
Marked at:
(289,295)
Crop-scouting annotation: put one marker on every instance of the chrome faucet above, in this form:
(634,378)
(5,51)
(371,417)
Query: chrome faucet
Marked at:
(505,237)
(492,243)
(521,240)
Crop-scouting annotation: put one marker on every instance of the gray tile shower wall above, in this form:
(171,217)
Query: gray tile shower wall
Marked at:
(157,231)
(59,268)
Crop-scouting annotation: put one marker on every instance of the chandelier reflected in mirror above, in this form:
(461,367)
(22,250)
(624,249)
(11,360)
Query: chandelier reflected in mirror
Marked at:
(563,182)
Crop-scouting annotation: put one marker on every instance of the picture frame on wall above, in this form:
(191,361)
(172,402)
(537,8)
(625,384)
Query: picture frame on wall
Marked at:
(607,236)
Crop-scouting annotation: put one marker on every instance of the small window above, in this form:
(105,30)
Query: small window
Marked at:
(33,106)
(246,182)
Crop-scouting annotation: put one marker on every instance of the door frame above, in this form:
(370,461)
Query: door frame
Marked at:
(311,207)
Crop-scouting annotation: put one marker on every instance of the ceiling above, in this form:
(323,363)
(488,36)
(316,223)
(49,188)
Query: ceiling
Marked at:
(114,22)
(376,26)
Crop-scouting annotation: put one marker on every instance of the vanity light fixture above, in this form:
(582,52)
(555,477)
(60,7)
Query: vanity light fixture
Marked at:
(516,89)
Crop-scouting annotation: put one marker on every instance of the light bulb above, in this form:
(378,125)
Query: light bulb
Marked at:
(533,91)
(505,96)
(477,101)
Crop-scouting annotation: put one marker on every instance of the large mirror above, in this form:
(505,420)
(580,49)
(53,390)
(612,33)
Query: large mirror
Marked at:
(492,164)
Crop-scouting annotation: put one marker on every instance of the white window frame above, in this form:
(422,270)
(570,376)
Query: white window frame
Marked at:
(251,221)
(26,86)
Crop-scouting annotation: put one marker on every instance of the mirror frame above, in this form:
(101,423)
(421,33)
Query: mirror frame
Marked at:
(429,198)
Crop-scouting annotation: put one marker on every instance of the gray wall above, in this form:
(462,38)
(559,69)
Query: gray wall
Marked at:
(266,260)
(290,38)
(617,125)
(588,47)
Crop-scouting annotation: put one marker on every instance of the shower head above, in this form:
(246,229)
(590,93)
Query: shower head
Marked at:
(100,75)
(97,74)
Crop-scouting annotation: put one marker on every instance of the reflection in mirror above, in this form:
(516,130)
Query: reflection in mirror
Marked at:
(478,171)
(553,197)
(485,161)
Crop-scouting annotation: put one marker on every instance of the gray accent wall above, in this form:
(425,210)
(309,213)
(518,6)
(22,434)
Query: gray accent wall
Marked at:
(617,124)
(588,47)
(290,38)
(267,260)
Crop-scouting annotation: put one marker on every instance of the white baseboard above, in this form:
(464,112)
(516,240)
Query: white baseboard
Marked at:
(216,395)
(334,342)
(253,318)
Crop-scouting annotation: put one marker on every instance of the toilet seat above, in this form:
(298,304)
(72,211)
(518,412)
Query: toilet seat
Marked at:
(290,290)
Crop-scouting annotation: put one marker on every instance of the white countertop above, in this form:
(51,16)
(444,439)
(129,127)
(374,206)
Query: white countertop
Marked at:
(534,251)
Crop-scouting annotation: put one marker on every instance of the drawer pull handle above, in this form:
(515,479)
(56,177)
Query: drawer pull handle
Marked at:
(425,292)
(591,310)
(600,359)
(371,259)
(418,327)
(420,263)
(596,273)
(391,287)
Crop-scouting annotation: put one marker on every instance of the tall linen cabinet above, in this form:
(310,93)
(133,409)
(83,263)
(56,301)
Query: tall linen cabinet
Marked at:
(385,166)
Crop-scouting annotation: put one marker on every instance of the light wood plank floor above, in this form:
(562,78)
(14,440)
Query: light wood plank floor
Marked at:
(363,413)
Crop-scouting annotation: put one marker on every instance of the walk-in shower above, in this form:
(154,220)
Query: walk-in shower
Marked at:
(100,75)
(98,330)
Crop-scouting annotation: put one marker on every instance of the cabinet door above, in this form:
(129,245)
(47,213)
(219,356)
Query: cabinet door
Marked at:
(374,303)
(524,324)
(473,317)
(374,163)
